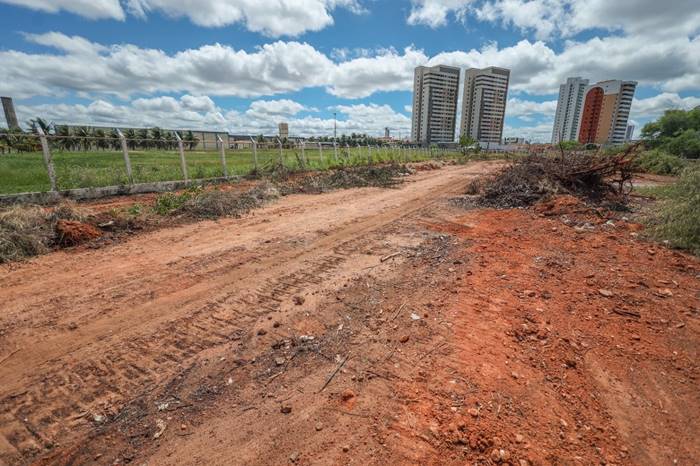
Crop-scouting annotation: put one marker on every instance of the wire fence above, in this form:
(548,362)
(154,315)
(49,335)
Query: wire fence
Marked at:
(52,163)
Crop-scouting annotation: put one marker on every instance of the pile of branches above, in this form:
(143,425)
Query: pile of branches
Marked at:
(380,176)
(595,177)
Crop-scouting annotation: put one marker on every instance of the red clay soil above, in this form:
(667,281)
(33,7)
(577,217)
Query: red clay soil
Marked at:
(72,232)
(366,326)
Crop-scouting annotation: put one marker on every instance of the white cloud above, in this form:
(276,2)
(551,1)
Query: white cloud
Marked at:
(528,108)
(653,107)
(270,17)
(275,108)
(260,117)
(92,9)
(671,64)
(538,133)
(434,13)
(389,71)
(566,18)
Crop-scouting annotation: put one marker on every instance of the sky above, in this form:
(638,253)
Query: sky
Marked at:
(246,65)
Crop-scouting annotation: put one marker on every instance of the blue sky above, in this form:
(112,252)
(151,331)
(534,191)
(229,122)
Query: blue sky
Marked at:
(245,65)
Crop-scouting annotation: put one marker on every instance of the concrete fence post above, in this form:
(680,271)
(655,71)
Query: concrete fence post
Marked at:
(303,154)
(335,151)
(183,162)
(48,159)
(279,144)
(222,152)
(369,155)
(125,152)
(255,153)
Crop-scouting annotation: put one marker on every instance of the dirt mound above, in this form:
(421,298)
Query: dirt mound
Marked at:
(562,205)
(73,232)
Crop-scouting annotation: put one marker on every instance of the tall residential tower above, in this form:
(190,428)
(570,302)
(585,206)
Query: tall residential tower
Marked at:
(434,104)
(568,110)
(605,111)
(484,103)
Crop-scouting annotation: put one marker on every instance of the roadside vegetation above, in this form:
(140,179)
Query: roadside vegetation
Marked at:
(675,217)
(30,230)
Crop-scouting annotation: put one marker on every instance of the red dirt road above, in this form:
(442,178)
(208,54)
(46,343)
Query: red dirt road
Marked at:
(483,337)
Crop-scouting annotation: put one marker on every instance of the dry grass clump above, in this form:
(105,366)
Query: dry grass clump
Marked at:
(215,203)
(30,230)
(382,176)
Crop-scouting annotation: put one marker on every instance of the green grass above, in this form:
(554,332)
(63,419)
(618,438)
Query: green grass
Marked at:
(25,172)
(676,216)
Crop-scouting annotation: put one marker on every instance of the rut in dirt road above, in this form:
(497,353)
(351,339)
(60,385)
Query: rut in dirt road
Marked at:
(97,328)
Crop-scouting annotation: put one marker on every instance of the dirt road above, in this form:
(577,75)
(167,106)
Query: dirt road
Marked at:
(359,326)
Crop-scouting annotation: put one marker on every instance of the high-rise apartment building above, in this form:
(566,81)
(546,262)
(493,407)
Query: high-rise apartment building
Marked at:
(630,133)
(605,111)
(434,104)
(568,110)
(484,103)
(283,131)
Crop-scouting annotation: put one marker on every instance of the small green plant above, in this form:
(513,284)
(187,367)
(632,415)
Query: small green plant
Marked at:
(135,210)
(170,202)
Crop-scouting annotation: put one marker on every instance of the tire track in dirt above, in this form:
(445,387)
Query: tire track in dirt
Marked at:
(66,382)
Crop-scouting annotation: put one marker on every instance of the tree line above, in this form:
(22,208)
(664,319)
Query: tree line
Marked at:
(85,138)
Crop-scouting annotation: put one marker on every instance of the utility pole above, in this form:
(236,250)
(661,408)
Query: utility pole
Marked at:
(335,127)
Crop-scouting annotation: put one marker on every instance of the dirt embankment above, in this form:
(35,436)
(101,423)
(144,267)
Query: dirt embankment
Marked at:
(367,326)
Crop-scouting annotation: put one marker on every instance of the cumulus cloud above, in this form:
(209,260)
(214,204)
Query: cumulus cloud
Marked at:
(653,107)
(566,18)
(92,9)
(274,18)
(81,66)
(529,108)
(270,17)
(276,108)
(434,13)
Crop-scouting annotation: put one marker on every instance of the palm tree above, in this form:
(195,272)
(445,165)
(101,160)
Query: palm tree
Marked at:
(114,141)
(157,136)
(130,135)
(142,136)
(65,141)
(83,135)
(191,140)
(39,123)
(101,139)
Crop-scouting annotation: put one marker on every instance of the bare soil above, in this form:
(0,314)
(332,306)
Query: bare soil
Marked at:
(362,326)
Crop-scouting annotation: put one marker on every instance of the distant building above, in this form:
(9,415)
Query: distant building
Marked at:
(568,110)
(434,116)
(514,140)
(630,133)
(284,131)
(605,112)
(387,135)
(10,115)
(484,103)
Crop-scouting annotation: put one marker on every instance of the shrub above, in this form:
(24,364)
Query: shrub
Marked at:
(659,163)
(677,218)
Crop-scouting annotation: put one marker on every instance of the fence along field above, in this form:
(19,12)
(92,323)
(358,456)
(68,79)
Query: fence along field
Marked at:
(93,162)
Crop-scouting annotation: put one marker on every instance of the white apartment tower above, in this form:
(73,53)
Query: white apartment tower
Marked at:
(568,110)
(434,104)
(484,103)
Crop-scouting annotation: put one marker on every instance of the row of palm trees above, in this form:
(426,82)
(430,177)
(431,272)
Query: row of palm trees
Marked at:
(85,138)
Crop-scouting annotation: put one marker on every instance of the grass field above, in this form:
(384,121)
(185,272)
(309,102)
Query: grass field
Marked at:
(25,172)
